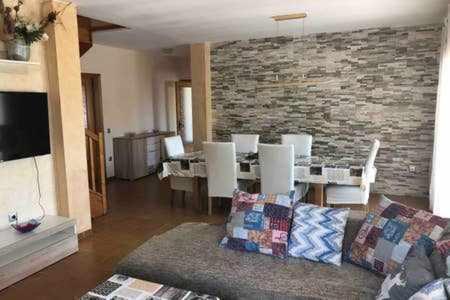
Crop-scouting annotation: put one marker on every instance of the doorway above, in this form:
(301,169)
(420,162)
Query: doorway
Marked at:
(184,111)
(95,145)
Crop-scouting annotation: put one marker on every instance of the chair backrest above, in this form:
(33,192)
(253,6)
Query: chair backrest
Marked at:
(277,168)
(302,143)
(246,143)
(370,163)
(174,146)
(220,169)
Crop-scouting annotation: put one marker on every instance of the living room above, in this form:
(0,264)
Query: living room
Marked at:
(161,151)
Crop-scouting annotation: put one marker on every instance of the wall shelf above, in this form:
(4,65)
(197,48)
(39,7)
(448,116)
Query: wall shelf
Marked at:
(14,66)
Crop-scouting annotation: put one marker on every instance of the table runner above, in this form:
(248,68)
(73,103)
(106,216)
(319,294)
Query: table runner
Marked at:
(320,170)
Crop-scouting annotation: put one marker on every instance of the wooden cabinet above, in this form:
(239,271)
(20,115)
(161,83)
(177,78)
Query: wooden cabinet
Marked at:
(138,156)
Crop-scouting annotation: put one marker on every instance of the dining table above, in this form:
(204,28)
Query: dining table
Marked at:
(316,170)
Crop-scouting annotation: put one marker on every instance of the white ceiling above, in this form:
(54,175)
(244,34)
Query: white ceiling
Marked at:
(168,23)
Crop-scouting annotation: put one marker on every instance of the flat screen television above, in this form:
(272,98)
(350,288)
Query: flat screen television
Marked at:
(24,126)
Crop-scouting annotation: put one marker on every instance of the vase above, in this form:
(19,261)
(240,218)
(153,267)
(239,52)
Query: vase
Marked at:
(18,50)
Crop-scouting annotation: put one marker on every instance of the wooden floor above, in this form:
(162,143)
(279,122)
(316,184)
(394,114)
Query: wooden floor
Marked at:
(138,210)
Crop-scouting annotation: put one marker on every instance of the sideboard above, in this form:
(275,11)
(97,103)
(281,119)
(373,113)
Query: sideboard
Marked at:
(138,155)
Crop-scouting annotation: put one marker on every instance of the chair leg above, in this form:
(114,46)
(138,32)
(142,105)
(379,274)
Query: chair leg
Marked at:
(184,199)
(209,206)
(172,197)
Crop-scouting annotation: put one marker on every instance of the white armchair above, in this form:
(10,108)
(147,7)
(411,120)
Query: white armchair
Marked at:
(355,195)
(302,143)
(245,143)
(277,170)
(174,146)
(221,170)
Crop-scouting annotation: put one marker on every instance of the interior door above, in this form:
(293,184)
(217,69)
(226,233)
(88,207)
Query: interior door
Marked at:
(184,111)
(93,123)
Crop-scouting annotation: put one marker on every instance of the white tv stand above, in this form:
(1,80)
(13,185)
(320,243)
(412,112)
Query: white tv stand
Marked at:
(24,254)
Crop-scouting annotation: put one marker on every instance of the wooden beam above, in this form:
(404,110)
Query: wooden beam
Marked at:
(289,17)
(66,117)
(201,94)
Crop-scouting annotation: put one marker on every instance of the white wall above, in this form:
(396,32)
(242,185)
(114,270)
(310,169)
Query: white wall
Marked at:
(17,179)
(19,190)
(167,68)
(127,93)
(441,159)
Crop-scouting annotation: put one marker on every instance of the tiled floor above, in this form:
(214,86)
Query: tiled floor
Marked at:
(138,210)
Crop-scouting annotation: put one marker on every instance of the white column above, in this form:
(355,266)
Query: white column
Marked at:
(440,178)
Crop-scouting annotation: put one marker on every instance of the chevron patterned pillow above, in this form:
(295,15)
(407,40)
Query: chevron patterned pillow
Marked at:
(317,233)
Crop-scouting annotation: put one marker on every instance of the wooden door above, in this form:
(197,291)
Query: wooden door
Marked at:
(93,123)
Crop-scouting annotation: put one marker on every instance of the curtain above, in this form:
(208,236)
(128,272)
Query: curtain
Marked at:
(440,176)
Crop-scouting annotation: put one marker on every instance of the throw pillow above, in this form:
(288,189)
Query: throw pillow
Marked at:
(444,250)
(259,223)
(388,235)
(436,290)
(317,233)
(409,278)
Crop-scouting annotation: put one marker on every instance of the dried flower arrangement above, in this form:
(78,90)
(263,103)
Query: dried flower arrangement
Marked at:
(20,32)
(17,27)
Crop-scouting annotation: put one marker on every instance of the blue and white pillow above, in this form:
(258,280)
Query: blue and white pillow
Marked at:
(435,290)
(317,233)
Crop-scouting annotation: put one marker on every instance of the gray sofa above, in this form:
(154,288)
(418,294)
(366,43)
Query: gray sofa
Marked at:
(189,257)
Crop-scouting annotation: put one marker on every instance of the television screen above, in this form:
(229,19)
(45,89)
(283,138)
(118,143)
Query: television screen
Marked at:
(24,129)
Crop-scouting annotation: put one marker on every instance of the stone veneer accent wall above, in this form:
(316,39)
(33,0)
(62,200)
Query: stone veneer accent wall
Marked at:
(343,88)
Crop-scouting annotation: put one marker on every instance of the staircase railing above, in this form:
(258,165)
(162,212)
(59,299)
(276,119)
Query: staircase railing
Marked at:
(96,172)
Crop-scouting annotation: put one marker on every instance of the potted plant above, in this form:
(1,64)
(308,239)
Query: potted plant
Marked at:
(20,32)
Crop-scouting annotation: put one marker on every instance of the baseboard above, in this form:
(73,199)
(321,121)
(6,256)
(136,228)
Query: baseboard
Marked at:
(84,234)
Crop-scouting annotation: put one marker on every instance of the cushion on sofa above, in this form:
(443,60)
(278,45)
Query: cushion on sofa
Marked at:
(409,278)
(437,260)
(388,235)
(259,223)
(444,250)
(188,257)
(317,233)
(436,290)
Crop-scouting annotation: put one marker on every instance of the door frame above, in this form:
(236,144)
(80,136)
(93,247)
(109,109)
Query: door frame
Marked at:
(178,86)
(98,103)
(97,133)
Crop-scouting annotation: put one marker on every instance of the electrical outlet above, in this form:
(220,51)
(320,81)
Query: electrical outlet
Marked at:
(412,169)
(12,217)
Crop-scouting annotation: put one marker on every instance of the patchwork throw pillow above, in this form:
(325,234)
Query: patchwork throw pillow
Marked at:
(436,290)
(317,233)
(444,250)
(409,278)
(388,235)
(259,223)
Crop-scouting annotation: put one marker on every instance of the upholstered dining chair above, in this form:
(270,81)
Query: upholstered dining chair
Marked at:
(174,146)
(302,143)
(355,195)
(246,143)
(302,147)
(277,170)
(221,170)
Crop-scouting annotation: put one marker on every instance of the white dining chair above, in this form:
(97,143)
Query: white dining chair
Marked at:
(355,195)
(221,170)
(277,170)
(302,143)
(302,147)
(174,146)
(246,143)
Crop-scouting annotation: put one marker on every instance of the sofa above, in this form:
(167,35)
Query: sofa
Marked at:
(189,257)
